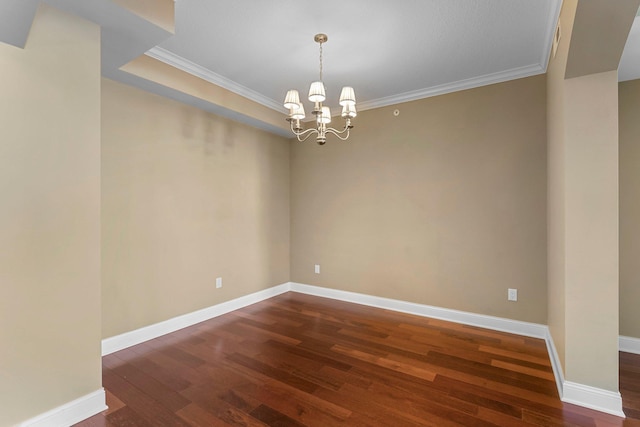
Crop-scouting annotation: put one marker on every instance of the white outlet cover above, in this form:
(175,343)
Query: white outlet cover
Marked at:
(512,295)
(218,282)
(317,269)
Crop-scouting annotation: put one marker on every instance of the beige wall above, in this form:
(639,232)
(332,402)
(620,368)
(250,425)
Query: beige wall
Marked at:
(216,96)
(591,229)
(442,205)
(556,181)
(583,211)
(629,111)
(50,217)
(600,31)
(186,197)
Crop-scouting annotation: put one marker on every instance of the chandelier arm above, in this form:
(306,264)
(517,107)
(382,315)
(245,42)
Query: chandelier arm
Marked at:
(339,134)
(336,131)
(305,138)
(307,132)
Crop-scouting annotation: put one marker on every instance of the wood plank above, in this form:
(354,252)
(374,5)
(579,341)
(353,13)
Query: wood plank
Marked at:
(386,363)
(300,360)
(272,417)
(304,411)
(544,374)
(196,416)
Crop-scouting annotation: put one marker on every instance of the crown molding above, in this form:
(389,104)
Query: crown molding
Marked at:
(487,79)
(194,69)
(187,66)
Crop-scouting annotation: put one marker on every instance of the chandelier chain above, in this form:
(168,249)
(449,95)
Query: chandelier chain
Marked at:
(320,61)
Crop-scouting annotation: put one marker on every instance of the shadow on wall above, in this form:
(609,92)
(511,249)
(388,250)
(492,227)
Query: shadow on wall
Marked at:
(215,134)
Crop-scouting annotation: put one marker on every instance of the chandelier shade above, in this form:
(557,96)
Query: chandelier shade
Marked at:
(322,113)
(298,113)
(316,92)
(347,96)
(292,100)
(349,111)
(325,116)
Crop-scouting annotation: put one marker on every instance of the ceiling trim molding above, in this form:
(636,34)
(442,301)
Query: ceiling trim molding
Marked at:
(502,76)
(487,79)
(194,69)
(177,95)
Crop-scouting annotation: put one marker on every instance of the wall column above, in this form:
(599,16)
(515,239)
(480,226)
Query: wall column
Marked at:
(50,319)
(582,117)
(591,233)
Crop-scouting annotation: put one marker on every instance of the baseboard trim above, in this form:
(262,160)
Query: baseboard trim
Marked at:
(72,412)
(137,336)
(593,398)
(534,330)
(578,394)
(629,344)
(570,392)
(556,365)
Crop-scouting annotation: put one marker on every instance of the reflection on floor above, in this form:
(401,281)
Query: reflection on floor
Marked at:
(298,360)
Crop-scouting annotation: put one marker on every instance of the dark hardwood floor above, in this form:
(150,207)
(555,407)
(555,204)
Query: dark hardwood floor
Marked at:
(299,360)
(630,384)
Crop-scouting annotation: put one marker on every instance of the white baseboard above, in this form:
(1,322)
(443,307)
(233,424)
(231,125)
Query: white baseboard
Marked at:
(629,344)
(593,398)
(70,413)
(534,330)
(570,392)
(556,365)
(137,336)
(578,394)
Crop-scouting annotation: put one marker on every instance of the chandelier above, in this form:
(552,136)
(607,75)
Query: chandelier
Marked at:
(321,112)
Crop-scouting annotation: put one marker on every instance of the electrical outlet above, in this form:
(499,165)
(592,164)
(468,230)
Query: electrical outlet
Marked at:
(512,295)
(218,282)
(317,269)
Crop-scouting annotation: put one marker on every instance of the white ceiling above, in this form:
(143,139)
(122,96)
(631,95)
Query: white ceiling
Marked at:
(629,68)
(389,51)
